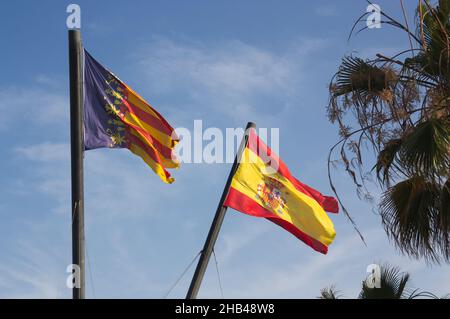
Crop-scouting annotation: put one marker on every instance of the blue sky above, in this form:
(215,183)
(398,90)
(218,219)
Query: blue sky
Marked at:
(224,62)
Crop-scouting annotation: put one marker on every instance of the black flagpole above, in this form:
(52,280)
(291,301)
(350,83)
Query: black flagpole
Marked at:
(217,222)
(77,148)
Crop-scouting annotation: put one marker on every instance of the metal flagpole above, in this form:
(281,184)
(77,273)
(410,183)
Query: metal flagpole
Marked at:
(217,222)
(77,148)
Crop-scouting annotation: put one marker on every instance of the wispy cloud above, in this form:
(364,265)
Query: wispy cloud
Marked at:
(51,162)
(232,79)
(32,106)
(45,152)
(51,173)
(32,270)
(240,237)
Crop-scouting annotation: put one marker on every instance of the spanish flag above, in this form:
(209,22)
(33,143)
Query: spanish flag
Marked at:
(117,117)
(263,187)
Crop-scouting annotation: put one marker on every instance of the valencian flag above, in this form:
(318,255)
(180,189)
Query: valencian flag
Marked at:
(117,117)
(263,187)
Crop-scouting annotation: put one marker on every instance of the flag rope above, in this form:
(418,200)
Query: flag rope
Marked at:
(218,273)
(91,276)
(182,275)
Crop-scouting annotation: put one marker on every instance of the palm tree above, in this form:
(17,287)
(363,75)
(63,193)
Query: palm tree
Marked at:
(401,105)
(394,284)
(330,293)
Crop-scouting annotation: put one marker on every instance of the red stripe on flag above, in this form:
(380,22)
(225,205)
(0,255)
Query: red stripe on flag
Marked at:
(148,118)
(163,150)
(258,146)
(311,242)
(161,118)
(246,205)
(147,149)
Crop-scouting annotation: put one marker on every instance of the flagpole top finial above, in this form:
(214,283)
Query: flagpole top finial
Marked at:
(250,125)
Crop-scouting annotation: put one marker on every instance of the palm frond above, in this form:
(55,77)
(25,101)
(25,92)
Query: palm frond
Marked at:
(433,28)
(422,294)
(393,284)
(444,218)
(445,205)
(330,293)
(361,78)
(425,149)
(410,211)
(386,161)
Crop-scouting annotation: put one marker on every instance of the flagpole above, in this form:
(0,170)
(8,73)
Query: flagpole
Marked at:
(217,222)
(76,150)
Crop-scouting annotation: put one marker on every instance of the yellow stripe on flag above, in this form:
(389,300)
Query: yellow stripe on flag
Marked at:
(167,162)
(156,167)
(164,139)
(138,101)
(298,209)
